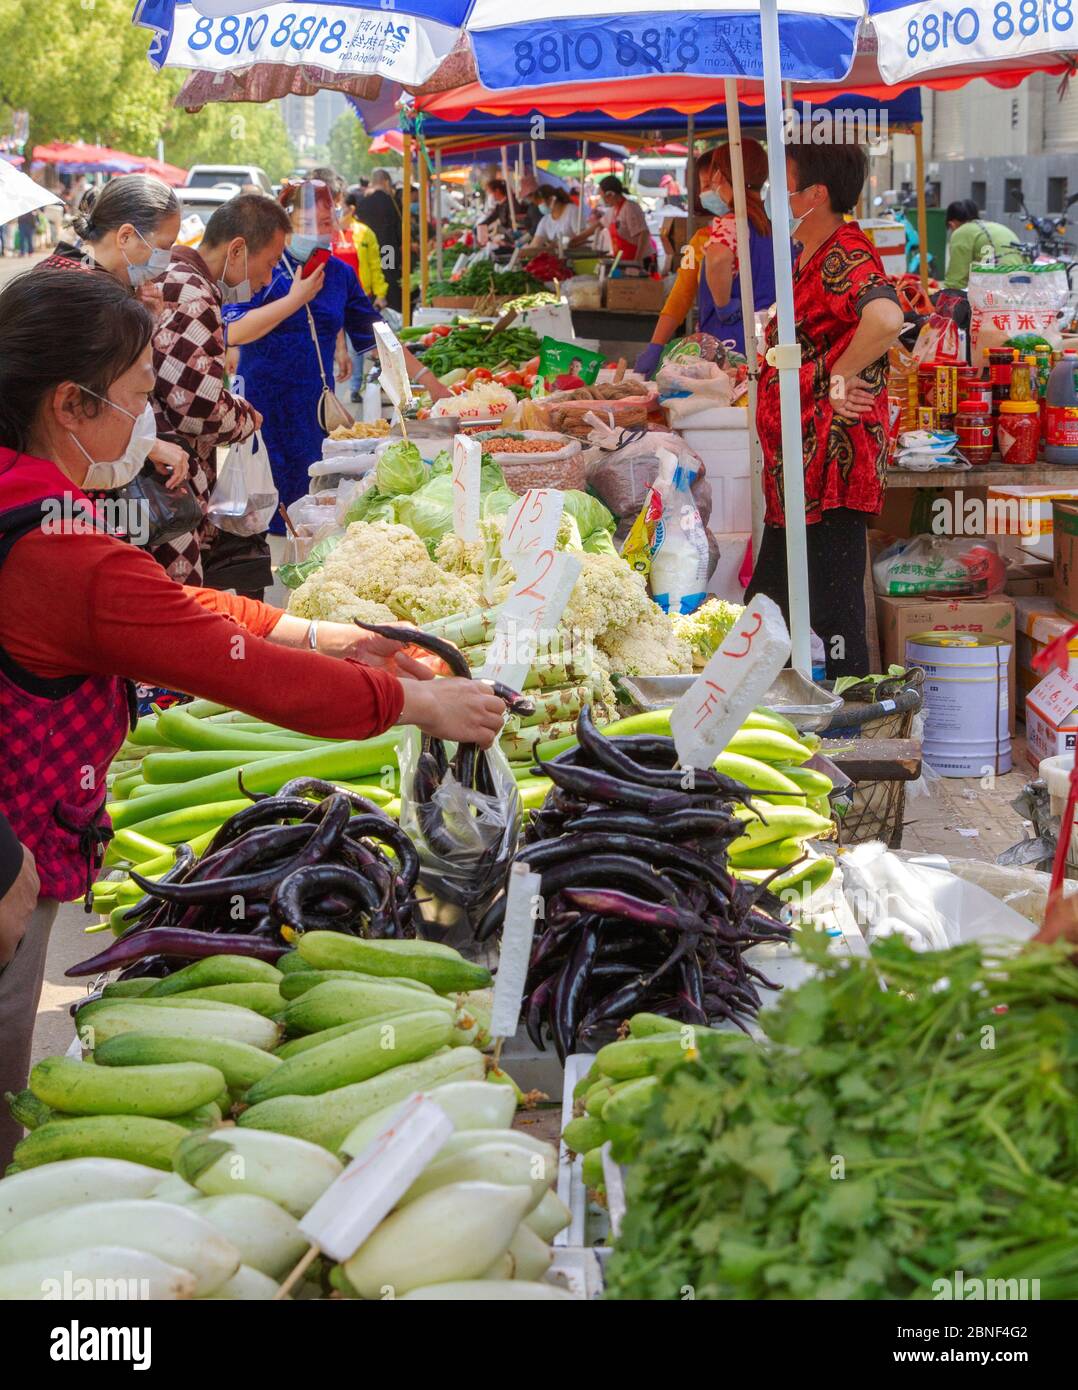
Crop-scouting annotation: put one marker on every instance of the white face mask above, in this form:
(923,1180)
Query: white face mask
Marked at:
(795,220)
(236,294)
(713,202)
(106,476)
(149,270)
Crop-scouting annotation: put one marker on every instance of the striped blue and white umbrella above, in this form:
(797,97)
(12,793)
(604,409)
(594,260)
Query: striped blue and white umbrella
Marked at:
(597,40)
(979,37)
(404,41)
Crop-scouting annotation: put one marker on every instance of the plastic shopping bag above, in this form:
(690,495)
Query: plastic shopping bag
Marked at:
(939,565)
(465,836)
(679,560)
(1005,303)
(244,497)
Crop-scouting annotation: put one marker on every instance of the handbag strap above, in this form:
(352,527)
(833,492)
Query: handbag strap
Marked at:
(314,336)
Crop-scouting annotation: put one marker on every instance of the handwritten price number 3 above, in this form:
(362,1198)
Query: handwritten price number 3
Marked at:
(937,29)
(656,49)
(708,707)
(235,34)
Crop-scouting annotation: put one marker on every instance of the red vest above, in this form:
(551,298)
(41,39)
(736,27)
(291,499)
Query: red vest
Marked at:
(57,736)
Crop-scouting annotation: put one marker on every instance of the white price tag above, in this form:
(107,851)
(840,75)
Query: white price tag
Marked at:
(523,901)
(458,269)
(467,460)
(531,525)
(513,259)
(376,1179)
(544,582)
(736,679)
(394,372)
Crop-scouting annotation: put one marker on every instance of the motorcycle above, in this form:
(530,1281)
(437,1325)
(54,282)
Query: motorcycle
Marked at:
(903,208)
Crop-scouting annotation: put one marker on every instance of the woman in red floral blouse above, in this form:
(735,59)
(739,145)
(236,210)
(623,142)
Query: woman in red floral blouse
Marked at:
(847,316)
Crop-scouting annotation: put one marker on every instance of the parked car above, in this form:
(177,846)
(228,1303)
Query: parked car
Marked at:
(198,205)
(211,175)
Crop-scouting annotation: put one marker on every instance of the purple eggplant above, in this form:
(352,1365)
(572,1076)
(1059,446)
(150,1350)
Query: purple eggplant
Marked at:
(171,941)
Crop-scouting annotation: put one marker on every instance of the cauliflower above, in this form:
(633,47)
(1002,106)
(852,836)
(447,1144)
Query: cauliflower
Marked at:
(706,628)
(648,648)
(334,601)
(424,602)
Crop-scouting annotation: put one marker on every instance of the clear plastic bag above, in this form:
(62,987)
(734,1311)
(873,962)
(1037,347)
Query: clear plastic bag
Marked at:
(623,464)
(679,561)
(244,497)
(1005,302)
(465,838)
(941,566)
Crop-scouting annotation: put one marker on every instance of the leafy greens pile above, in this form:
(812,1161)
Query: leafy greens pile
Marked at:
(885,1139)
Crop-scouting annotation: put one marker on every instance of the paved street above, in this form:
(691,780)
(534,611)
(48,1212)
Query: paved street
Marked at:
(11,266)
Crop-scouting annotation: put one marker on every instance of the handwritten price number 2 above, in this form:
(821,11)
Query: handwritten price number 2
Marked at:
(707,708)
(938,29)
(656,49)
(531,590)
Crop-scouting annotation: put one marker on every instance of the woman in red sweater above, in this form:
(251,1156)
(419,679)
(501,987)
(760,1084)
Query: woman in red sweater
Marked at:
(83,615)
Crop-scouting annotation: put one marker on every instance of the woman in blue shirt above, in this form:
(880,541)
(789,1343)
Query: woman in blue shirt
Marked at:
(283,372)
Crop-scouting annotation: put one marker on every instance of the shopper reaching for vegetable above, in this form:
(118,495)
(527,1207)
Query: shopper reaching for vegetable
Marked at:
(82,614)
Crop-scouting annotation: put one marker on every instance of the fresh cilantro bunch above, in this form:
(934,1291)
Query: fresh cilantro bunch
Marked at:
(911,1115)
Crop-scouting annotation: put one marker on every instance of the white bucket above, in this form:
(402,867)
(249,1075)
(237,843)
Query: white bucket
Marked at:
(1056,774)
(966,705)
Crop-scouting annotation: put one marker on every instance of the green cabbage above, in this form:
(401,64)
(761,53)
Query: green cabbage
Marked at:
(590,516)
(400,470)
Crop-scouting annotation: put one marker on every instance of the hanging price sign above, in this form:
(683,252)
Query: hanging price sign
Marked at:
(732,683)
(545,579)
(394,370)
(467,460)
(531,526)
(523,902)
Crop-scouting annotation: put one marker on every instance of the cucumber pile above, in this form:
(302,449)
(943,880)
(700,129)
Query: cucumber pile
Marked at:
(129,1173)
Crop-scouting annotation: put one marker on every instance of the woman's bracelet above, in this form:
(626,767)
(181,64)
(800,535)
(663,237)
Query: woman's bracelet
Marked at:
(312,635)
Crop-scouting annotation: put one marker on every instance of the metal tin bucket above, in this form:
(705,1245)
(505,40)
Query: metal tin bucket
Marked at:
(966,702)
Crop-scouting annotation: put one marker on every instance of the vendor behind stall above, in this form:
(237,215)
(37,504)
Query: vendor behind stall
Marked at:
(713,251)
(847,316)
(623,220)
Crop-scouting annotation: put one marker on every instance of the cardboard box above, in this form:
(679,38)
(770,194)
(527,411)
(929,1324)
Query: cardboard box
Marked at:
(903,618)
(639,294)
(1037,623)
(1032,580)
(1065,556)
(1052,717)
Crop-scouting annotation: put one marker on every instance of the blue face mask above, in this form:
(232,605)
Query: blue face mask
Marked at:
(712,203)
(303,247)
(544,208)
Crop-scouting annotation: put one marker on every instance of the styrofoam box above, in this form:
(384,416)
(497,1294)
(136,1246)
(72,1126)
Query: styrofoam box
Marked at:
(724,582)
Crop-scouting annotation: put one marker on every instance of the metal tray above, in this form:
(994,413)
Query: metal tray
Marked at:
(804,704)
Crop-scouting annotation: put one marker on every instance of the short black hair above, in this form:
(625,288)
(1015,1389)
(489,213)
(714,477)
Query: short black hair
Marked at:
(551,193)
(498,186)
(962,210)
(38,350)
(611,184)
(841,168)
(252,216)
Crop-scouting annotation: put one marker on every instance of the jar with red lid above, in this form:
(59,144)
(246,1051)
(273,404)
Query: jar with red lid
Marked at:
(1018,432)
(1000,362)
(979,390)
(973,425)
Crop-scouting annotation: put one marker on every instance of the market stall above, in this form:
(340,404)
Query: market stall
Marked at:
(595,1011)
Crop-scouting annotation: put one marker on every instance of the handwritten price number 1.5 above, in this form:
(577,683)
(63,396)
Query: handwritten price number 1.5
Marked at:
(938,29)
(661,50)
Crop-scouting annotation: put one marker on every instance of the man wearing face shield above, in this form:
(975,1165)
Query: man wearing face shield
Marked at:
(289,356)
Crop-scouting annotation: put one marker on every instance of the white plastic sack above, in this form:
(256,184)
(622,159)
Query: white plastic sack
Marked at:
(1004,303)
(244,497)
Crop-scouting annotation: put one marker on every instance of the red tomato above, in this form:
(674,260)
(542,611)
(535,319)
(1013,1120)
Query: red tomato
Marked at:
(532,365)
(479,374)
(442,330)
(509,379)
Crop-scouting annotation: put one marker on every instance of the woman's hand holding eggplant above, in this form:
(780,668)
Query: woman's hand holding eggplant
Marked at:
(454,708)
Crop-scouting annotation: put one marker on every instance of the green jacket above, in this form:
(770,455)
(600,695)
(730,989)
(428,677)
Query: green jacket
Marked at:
(969,246)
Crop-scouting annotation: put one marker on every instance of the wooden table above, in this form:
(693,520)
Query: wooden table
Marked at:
(875,759)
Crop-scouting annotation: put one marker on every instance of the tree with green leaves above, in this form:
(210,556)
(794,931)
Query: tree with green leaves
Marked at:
(349,149)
